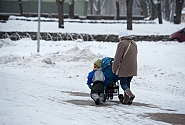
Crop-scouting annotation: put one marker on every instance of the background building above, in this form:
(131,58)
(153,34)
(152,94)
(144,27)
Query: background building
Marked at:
(81,7)
(47,6)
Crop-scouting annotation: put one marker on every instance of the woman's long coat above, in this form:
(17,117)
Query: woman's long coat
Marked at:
(129,62)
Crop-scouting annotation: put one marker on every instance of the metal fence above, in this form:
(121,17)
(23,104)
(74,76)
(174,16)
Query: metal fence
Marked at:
(75,36)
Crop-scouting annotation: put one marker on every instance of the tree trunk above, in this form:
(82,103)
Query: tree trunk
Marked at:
(177,16)
(172,10)
(71,9)
(129,14)
(144,8)
(91,7)
(117,10)
(153,9)
(99,8)
(159,12)
(20,7)
(167,10)
(60,4)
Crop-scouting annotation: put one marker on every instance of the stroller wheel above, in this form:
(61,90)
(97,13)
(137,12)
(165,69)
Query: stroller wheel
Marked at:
(121,98)
(107,95)
(104,97)
(111,95)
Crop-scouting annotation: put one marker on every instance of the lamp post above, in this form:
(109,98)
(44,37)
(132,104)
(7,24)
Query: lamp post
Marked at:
(38,32)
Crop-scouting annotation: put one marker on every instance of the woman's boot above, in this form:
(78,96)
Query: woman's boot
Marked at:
(130,95)
(126,98)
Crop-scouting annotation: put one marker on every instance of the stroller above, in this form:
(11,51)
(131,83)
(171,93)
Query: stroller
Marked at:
(113,84)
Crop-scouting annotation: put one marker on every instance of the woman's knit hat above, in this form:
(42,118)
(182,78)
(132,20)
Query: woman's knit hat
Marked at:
(122,33)
(97,64)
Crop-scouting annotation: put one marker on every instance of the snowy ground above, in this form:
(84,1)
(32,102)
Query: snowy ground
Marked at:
(166,28)
(33,92)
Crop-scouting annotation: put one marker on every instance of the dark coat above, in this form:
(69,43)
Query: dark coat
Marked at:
(129,62)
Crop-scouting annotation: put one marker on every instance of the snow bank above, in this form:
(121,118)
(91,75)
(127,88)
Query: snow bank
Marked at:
(6,42)
(72,55)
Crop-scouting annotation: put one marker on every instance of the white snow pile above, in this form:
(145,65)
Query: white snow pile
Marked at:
(72,55)
(6,42)
(9,58)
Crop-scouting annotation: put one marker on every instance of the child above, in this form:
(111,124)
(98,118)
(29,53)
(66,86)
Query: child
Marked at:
(97,82)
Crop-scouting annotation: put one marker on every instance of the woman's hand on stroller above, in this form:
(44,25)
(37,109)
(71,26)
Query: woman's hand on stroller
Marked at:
(113,71)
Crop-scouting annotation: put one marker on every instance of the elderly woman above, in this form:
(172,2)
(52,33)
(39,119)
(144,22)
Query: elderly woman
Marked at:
(125,64)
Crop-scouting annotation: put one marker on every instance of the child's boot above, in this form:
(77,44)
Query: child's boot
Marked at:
(102,98)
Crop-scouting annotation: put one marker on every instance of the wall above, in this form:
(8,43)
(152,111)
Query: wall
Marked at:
(31,6)
(80,8)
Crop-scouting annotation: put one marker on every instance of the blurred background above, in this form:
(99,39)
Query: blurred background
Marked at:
(96,9)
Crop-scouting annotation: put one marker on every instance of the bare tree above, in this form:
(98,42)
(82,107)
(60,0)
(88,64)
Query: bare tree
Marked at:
(177,16)
(98,12)
(20,7)
(71,9)
(96,6)
(144,8)
(129,14)
(117,9)
(91,6)
(159,11)
(60,4)
(142,5)
(152,8)
(167,10)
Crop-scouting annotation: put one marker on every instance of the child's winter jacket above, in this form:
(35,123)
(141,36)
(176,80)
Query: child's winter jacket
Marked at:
(99,80)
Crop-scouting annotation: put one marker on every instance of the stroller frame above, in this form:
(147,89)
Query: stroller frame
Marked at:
(113,89)
(113,84)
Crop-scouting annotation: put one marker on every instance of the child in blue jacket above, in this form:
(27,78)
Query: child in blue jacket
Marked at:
(97,82)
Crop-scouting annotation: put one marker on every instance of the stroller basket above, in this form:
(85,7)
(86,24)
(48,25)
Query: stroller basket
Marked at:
(112,88)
